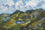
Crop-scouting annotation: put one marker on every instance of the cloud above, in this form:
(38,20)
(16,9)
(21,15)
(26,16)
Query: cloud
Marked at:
(3,9)
(30,3)
(19,5)
(40,4)
(9,6)
(5,2)
(43,6)
(10,2)
(11,10)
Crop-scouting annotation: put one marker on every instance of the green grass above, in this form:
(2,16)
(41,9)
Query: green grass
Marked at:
(16,27)
(1,21)
(0,17)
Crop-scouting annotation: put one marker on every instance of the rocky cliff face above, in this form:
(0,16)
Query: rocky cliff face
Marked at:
(38,23)
(37,14)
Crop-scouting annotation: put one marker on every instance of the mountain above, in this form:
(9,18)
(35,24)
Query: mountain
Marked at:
(30,11)
(17,11)
(24,20)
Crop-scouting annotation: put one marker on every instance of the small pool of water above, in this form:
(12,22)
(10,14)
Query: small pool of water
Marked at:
(19,22)
(6,19)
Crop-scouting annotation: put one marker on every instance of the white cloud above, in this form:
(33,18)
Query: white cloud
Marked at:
(9,2)
(29,4)
(11,10)
(18,4)
(3,1)
(6,10)
(3,9)
(43,6)
(32,3)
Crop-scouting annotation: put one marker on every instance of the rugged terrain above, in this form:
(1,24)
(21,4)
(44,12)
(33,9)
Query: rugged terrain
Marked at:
(19,20)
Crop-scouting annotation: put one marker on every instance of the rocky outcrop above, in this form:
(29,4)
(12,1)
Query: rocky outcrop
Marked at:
(36,14)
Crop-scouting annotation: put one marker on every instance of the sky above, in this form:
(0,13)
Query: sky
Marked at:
(10,6)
